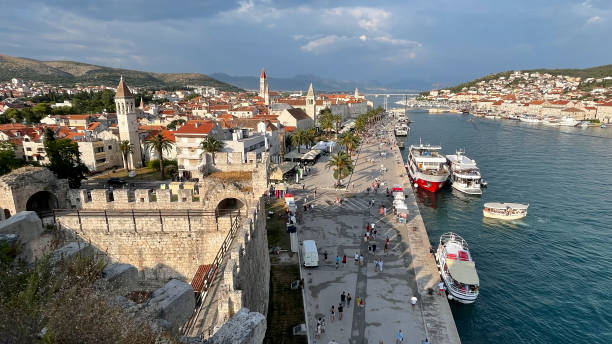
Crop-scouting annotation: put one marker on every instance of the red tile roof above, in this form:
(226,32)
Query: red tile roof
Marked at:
(122,90)
(196,127)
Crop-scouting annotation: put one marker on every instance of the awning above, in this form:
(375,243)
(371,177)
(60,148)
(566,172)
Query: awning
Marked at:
(462,271)
(311,155)
(280,187)
(293,155)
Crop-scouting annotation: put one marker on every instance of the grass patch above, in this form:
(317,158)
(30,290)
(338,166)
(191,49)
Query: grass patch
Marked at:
(286,308)
(277,226)
(233,176)
(142,174)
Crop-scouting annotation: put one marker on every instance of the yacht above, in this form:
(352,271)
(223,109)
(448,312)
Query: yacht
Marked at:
(568,121)
(426,167)
(457,268)
(401,129)
(529,119)
(551,121)
(505,211)
(464,174)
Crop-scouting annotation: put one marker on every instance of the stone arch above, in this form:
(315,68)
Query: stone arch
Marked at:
(42,201)
(229,205)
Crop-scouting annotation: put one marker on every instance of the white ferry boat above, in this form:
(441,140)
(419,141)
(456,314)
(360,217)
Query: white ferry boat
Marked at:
(505,211)
(464,174)
(568,121)
(551,121)
(426,167)
(401,130)
(457,268)
(529,119)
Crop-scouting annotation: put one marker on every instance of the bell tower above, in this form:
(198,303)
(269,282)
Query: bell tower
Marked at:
(127,119)
(311,104)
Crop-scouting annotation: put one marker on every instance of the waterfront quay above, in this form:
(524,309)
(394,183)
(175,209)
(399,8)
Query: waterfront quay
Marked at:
(408,267)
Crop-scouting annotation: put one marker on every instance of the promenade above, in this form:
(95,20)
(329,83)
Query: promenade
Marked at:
(408,267)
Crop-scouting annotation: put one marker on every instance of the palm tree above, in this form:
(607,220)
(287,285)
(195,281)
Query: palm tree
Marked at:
(212,146)
(310,136)
(326,120)
(300,137)
(350,141)
(342,165)
(159,144)
(126,148)
(337,119)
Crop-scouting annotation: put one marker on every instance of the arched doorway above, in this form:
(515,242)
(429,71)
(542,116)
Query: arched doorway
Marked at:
(229,206)
(41,202)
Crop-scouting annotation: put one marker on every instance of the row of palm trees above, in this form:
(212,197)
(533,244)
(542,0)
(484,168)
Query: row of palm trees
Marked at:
(342,162)
(163,145)
(366,119)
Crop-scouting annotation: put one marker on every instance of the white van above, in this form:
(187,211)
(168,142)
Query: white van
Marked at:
(309,253)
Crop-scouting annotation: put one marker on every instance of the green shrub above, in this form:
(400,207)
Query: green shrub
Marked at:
(154,164)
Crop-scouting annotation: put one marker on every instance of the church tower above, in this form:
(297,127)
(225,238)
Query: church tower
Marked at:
(267,96)
(128,122)
(311,104)
(263,83)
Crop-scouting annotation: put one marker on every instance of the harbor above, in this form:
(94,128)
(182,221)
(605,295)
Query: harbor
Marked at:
(337,223)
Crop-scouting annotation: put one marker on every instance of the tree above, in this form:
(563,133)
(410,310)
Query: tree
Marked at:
(350,141)
(126,148)
(326,120)
(159,144)
(212,145)
(64,159)
(8,161)
(310,136)
(299,138)
(337,120)
(176,122)
(342,165)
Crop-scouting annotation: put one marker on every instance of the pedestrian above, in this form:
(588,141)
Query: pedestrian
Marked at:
(375,264)
(365,237)
(357,300)
(372,226)
(374,249)
(361,302)
(361,260)
(325,255)
(441,288)
(386,247)
(342,298)
(387,241)
(380,265)
(348,299)
(400,338)
(344,260)
(340,309)
(337,262)
(356,258)
(368,227)
(385,211)
(303,186)
(426,341)
(332,313)
(374,234)
(370,248)
(318,331)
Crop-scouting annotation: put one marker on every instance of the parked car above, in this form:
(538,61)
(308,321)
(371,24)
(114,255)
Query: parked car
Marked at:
(115,182)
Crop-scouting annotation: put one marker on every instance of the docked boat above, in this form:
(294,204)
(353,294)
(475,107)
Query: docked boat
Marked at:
(426,167)
(505,211)
(529,119)
(603,126)
(401,130)
(513,117)
(457,268)
(551,121)
(464,174)
(568,121)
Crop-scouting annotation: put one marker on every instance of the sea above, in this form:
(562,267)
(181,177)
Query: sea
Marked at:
(545,278)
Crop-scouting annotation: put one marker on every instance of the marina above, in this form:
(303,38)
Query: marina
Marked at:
(564,216)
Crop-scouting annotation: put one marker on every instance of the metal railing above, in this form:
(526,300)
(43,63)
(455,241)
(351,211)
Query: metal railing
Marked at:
(235,223)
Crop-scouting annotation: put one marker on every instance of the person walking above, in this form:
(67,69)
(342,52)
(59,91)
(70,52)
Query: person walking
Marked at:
(337,262)
(348,299)
(400,338)
(380,265)
(340,309)
(375,264)
(356,258)
(440,288)
(342,298)
(361,260)
(344,260)
(374,249)
(332,313)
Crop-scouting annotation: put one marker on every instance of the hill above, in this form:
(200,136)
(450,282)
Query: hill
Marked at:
(69,73)
(593,72)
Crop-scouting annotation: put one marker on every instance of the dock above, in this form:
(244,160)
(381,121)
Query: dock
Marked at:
(409,269)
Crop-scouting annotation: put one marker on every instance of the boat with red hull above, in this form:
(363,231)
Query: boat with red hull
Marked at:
(426,167)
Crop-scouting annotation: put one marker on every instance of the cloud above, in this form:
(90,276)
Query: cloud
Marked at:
(397,42)
(363,37)
(594,19)
(319,45)
(368,18)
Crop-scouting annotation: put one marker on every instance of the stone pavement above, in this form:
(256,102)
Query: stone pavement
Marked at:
(339,230)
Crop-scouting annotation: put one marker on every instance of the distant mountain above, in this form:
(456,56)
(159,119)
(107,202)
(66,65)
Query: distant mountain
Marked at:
(69,73)
(593,72)
(301,82)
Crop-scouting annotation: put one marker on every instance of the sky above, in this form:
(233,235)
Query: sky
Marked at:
(440,41)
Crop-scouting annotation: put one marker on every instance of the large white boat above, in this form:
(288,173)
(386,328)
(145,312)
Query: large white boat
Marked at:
(505,211)
(568,121)
(457,268)
(401,129)
(529,119)
(551,121)
(464,174)
(426,167)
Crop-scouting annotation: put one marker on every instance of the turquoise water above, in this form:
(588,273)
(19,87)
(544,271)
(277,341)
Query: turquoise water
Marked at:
(545,278)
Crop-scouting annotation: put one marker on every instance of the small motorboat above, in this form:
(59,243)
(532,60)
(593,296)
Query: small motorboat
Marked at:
(505,211)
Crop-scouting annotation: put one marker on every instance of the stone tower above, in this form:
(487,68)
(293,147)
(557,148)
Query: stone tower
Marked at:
(128,123)
(263,84)
(356,92)
(267,96)
(311,104)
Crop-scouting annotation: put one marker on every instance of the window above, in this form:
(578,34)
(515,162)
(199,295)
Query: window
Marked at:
(110,147)
(29,149)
